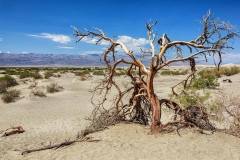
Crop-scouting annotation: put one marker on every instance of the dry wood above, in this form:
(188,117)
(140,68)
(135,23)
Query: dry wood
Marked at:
(15,130)
(144,104)
(63,144)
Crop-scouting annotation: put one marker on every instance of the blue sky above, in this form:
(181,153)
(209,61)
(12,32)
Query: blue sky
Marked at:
(43,26)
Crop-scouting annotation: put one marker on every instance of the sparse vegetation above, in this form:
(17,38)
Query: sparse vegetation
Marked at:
(37,93)
(203,80)
(10,96)
(54,87)
(9,80)
(229,71)
(175,72)
(98,72)
(48,74)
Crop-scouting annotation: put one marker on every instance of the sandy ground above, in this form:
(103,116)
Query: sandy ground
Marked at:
(60,116)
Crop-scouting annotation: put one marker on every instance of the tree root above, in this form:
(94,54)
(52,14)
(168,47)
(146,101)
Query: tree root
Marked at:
(66,143)
(15,130)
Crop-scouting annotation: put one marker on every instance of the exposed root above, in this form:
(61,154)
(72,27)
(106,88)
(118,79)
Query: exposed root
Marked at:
(60,145)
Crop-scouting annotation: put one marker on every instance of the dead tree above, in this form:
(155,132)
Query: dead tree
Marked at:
(215,38)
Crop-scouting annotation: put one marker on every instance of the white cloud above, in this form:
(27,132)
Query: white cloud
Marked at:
(65,47)
(0,39)
(54,37)
(24,52)
(8,52)
(0,51)
(133,44)
(94,40)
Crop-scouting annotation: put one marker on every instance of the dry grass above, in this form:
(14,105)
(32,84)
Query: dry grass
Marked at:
(54,87)
(10,96)
(37,93)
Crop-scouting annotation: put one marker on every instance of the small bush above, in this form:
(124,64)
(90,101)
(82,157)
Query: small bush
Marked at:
(81,73)
(202,81)
(48,74)
(175,72)
(10,96)
(37,93)
(36,75)
(98,72)
(34,84)
(3,87)
(54,87)
(231,70)
(191,97)
(119,73)
(9,81)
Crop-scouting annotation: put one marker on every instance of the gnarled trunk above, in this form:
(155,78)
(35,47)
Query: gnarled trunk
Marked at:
(156,125)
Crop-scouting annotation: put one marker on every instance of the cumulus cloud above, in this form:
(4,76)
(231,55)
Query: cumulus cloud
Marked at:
(94,40)
(0,51)
(132,43)
(8,52)
(24,52)
(65,47)
(54,37)
(0,39)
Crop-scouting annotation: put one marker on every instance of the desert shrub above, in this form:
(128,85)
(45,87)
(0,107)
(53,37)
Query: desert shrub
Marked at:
(226,112)
(8,80)
(98,72)
(37,93)
(229,71)
(27,74)
(36,75)
(54,87)
(10,96)
(81,73)
(203,80)
(57,75)
(48,74)
(24,74)
(191,97)
(11,72)
(34,84)
(119,73)
(175,72)
(85,77)
(213,72)
(3,87)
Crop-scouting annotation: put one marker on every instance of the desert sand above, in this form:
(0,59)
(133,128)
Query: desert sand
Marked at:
(61,116)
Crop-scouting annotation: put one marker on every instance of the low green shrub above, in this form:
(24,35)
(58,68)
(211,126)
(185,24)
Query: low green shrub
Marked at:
(98,72)
(81,73)
(8,81)
(175,72)
(229,71)
(10,96)
(48,74)
(204,80)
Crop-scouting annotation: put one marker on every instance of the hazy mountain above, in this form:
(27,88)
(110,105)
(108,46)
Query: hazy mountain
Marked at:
(38,59)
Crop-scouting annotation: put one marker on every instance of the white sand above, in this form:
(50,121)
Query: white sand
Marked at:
(60,116)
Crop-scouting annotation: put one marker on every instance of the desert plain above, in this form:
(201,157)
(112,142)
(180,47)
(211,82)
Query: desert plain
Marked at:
(60,116)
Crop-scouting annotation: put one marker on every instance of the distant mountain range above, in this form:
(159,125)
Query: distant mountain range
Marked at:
(38,59)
